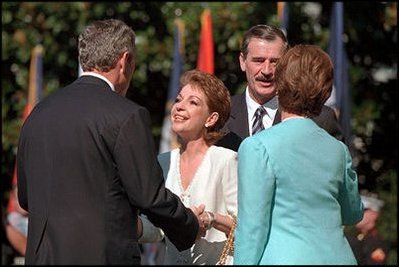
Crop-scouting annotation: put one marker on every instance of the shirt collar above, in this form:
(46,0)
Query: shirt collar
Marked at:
(90,73)
(270,106)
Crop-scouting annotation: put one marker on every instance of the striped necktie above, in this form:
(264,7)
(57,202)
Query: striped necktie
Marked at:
(258,124)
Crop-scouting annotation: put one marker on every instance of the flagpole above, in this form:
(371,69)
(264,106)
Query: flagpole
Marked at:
(338,55)
(282,16)
(168,137)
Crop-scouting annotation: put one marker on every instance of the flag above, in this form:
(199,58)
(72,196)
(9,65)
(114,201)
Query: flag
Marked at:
(205,61)
(168,138)
(282,15)
(336,49)
(34,95)
(35,80)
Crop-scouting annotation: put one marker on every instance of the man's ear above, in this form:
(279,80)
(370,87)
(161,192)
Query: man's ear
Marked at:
(126,62)
(242,62)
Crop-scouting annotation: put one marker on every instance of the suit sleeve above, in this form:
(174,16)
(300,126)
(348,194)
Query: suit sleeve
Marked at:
(143,181)
(256,185)
(349,197)
(21,177)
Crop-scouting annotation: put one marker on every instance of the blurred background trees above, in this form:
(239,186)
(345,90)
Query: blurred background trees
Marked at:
(370,41)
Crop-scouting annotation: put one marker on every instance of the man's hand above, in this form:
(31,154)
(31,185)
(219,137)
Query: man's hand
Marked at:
(198,211)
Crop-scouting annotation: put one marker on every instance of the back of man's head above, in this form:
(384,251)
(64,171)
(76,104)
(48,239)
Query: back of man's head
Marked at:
(103,42)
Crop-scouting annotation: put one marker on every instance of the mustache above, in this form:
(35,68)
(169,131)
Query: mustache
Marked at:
(266,79)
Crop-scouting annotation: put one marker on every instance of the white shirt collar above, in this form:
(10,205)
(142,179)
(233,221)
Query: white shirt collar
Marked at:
(90,73)
(270,106)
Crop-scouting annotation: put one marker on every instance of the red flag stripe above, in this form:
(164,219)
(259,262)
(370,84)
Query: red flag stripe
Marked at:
(206,54)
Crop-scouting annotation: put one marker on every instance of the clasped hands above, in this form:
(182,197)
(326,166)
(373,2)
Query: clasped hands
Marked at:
(205,219)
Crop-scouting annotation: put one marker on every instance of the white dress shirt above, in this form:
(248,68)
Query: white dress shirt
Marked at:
(270,106)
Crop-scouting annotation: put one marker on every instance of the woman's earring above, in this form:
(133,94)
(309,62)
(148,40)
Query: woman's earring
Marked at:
(206,125)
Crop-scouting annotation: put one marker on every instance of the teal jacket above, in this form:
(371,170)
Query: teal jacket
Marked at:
(296,190)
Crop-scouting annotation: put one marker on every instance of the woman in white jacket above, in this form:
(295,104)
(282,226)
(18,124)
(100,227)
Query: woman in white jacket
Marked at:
(199,172)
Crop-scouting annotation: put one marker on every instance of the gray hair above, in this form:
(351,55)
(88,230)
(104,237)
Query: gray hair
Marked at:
(103,42)
(264,32)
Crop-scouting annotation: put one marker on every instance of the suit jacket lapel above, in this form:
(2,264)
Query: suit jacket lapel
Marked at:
(277,118)
(239,116)
(238,122)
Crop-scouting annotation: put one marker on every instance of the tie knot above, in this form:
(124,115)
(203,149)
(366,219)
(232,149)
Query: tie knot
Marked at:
(260,111)
(258,124)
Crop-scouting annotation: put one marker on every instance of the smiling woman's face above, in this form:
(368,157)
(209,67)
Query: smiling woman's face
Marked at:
(189,113)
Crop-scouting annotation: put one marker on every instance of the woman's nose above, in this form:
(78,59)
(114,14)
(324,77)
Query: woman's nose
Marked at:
(179,105)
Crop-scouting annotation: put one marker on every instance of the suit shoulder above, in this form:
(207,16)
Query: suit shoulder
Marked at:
(272,135)
(128,105)
(230,140)
(236,99)
(253,140)
(328,111)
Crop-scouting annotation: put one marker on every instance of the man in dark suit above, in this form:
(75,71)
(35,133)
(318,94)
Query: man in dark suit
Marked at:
(261,48)
(87,164)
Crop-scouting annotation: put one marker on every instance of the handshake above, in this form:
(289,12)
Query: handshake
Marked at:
(205,219)
(147,232)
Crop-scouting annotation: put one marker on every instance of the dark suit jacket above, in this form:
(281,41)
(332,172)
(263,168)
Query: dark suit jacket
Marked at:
(86,167)
(237,125)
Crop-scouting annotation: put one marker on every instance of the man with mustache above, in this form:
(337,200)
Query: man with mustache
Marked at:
(262,47)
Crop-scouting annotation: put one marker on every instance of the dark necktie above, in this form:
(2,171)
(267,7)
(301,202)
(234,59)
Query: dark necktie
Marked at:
(258,124)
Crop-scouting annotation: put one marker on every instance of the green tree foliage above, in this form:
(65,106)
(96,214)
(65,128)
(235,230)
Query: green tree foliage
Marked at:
(371,40)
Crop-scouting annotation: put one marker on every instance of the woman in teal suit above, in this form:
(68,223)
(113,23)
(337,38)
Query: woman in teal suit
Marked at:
(297,187)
